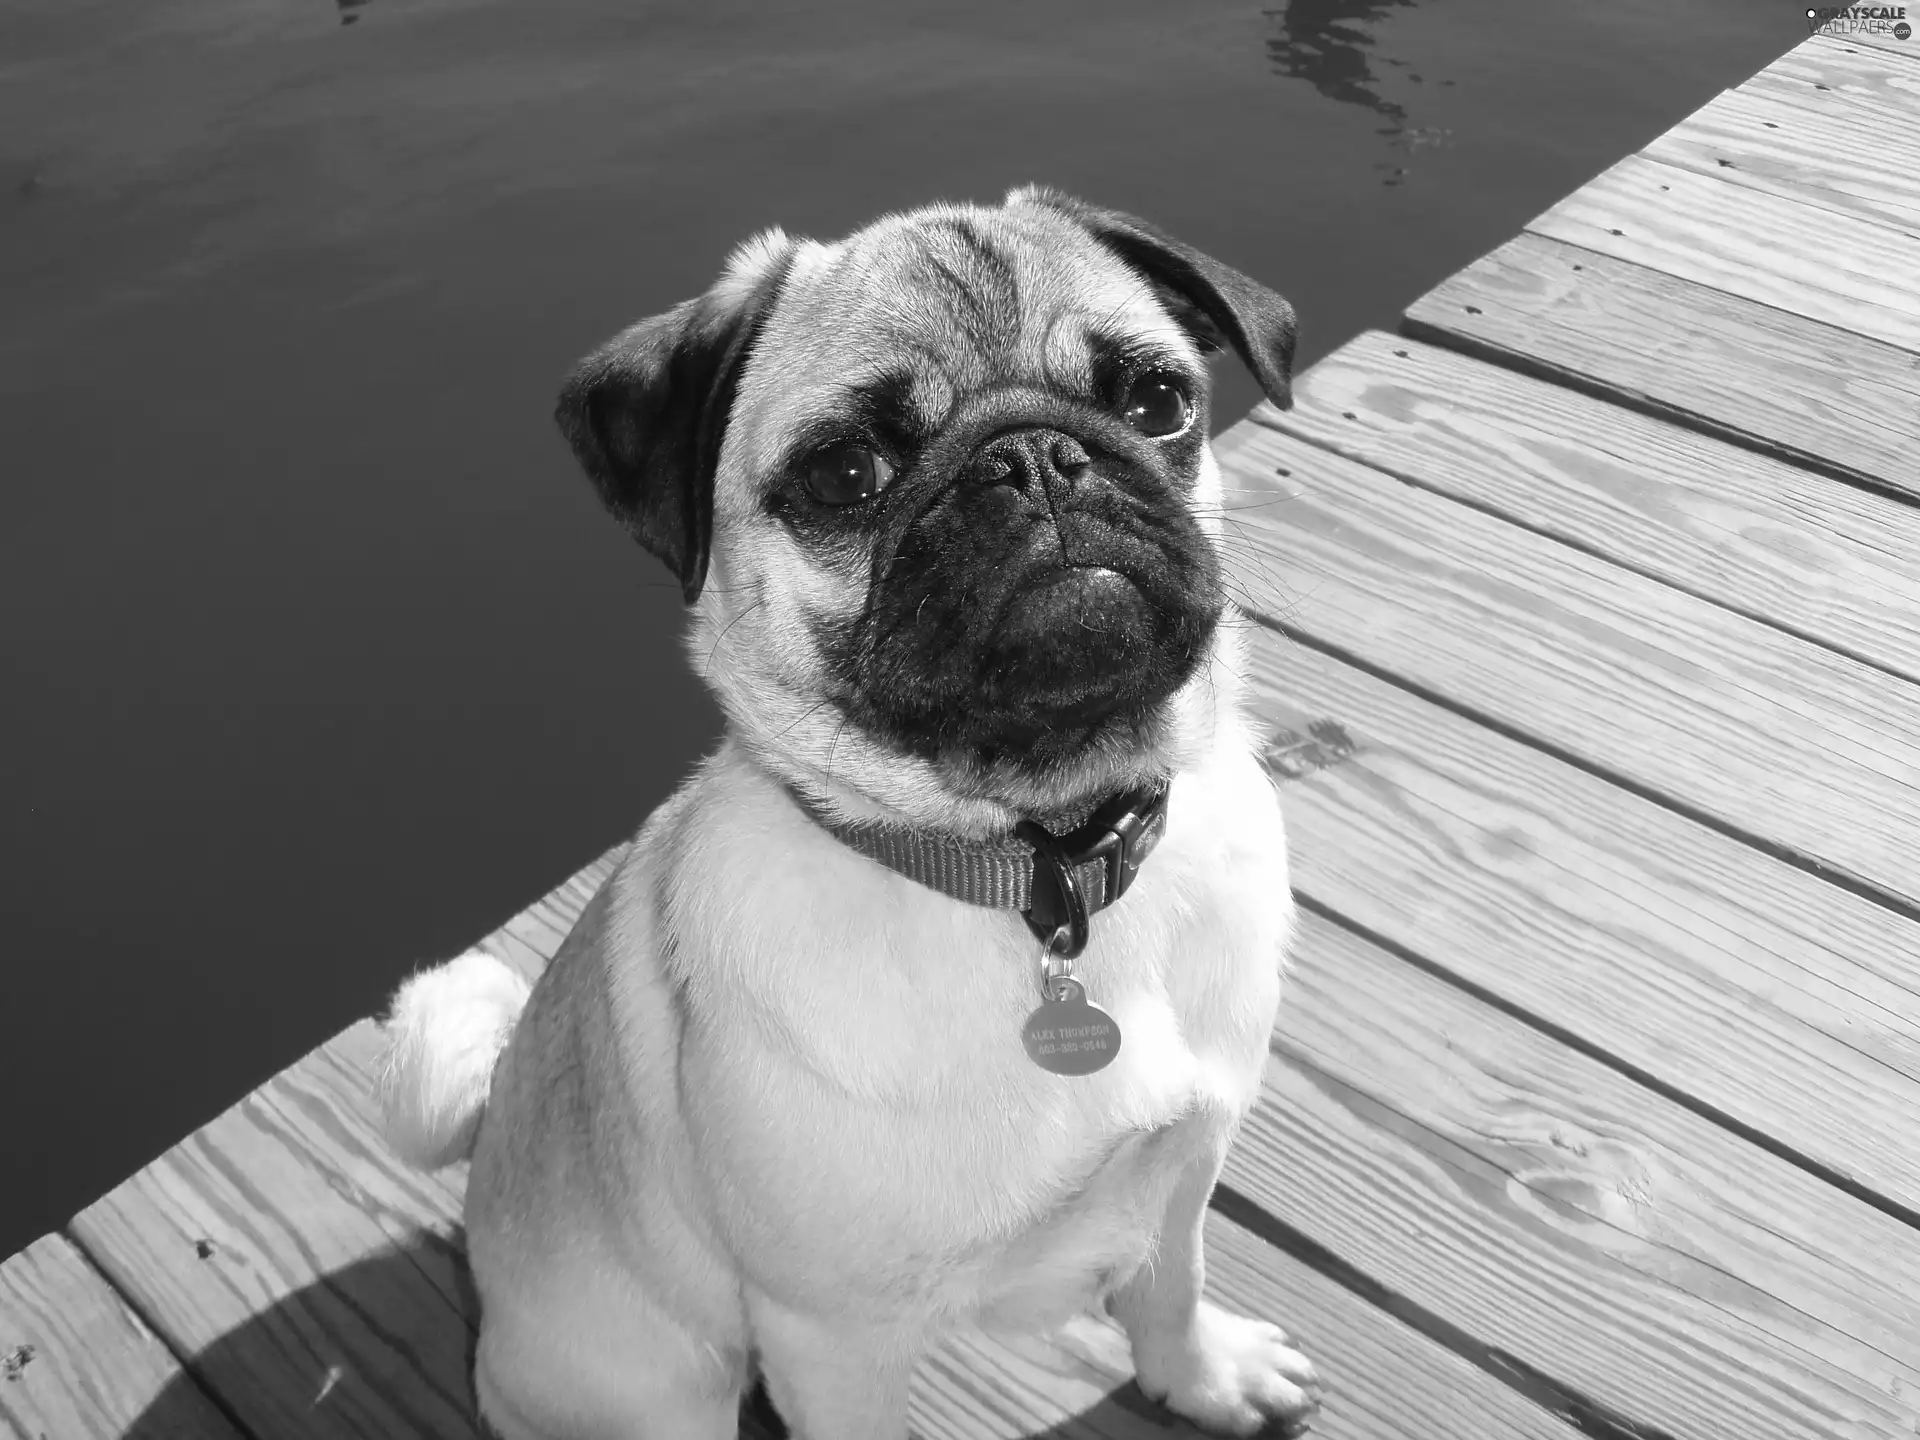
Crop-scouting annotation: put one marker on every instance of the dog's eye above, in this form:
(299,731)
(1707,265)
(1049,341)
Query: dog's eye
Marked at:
(1156,405)
(846,474)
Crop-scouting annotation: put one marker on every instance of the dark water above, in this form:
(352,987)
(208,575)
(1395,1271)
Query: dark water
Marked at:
(317,659)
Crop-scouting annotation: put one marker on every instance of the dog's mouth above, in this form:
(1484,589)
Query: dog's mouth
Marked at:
(1060,655)
(1023,628)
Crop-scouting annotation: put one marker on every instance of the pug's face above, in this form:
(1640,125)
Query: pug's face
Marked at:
(941,495)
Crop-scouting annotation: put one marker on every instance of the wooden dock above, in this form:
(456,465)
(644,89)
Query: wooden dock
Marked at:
(1592,656)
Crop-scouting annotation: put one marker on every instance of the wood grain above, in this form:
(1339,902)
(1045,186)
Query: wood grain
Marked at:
(1904,52)
(1806,391)
(1773,735)
(1385,1380)
(77,1364)
(1823,71)
(1854,159)
(318,1284)
(1762,992)
(1808,261)
(531,938)
(1827,561)
(312,1278)
(1505,1184)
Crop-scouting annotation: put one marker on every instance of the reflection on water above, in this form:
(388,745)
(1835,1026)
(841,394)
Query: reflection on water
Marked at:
(1323,42)
(1326,43)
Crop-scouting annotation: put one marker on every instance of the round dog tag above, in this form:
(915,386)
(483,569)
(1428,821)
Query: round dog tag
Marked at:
(1069,1036)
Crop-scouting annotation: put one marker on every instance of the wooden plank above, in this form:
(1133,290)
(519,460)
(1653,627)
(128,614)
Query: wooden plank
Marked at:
(76,1363)
(1830,562)
(318,1284)
(531,938)
(1807,261)
(313,1280)
(1760,991)
(1904,51)
(1778,737)
(1652,1262)
(327,1295)
(1843,157)
(1824,70)
(1806,391)
(1384,1379)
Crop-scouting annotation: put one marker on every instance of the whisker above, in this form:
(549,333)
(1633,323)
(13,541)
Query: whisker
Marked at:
(803,716)
(728,630)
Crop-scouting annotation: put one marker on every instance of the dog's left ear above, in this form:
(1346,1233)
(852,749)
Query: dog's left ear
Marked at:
(1214,303)
(646,412)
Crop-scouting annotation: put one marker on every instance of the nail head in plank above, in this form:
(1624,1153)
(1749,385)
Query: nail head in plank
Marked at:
(77,1364)
(1774,736)
(1807,261)
(1832,562)
(1548,1206)
(1904,52)
(1761,993)
(314,1281)
(1825,71)
(1845,157)
(1809,392)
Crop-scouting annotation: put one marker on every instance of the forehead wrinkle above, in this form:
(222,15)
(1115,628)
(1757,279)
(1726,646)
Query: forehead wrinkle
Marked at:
(980,285)
(857,308)
(1066,357)
(903,360)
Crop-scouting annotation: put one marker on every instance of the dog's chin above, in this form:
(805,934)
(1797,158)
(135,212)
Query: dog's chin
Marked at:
(1066,692)
(1064,660)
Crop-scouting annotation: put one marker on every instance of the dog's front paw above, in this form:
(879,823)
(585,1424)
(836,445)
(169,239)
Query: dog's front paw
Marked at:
(1231,1375)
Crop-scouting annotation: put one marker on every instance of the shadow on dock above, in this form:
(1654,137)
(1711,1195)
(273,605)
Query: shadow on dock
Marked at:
(387,1350)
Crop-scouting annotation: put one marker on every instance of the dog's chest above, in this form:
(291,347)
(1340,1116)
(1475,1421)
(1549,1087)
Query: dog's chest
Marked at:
(872,1121)
(1003,1189)
(1018,1203)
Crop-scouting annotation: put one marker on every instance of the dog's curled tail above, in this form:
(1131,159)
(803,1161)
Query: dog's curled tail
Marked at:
(446,1029)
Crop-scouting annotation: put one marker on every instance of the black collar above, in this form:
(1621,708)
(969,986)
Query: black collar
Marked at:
(1056,882)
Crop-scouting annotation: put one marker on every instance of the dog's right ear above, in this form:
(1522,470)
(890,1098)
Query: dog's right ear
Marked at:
(646,412)
(1216,304)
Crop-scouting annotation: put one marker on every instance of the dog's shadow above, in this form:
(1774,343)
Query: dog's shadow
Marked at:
(384,1348)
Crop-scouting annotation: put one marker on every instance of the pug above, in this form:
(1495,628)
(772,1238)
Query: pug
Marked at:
(936,995)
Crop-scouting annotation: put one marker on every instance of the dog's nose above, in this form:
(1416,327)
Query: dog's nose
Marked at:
(1030,459)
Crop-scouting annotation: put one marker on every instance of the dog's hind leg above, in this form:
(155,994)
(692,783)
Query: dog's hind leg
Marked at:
(1228,1374)
(586,1374)
(834,1380)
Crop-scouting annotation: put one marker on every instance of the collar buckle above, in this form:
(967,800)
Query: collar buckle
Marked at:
(1119,835)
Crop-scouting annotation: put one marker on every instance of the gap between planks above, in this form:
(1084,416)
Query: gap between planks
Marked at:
(76,1362)
(1776,740)
(1750,991)
(1792,146)
(1830,563)
(1745,373)
(1559,1214)
(1822,71)
(1820,264)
